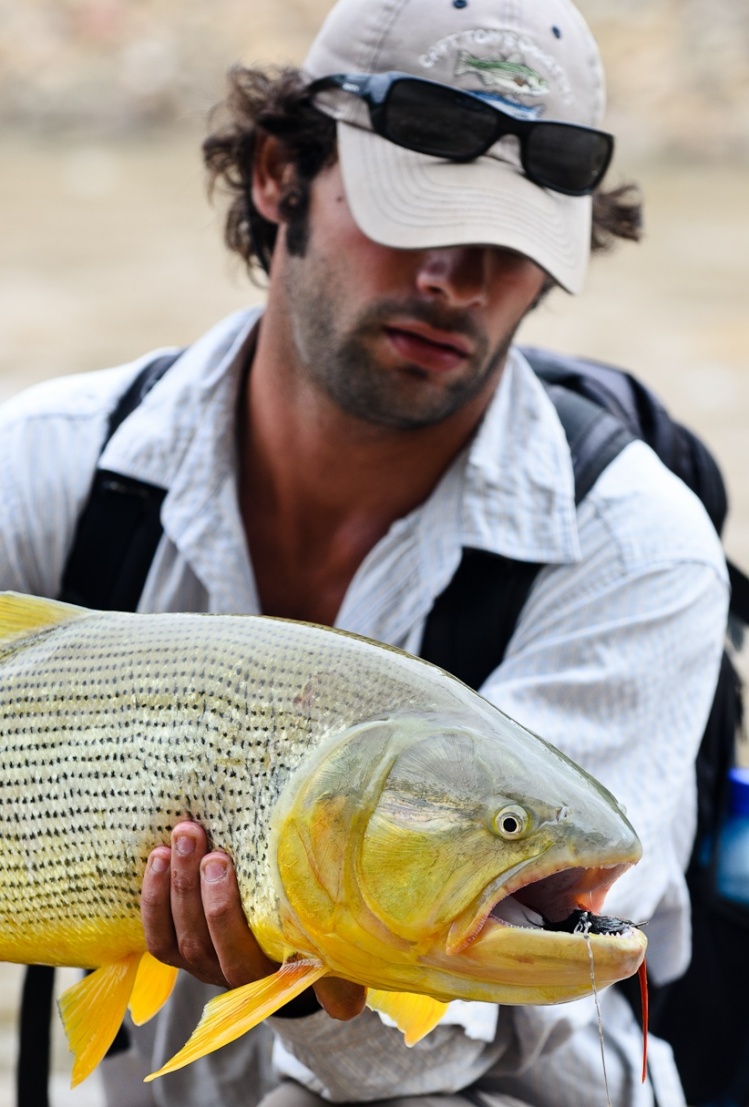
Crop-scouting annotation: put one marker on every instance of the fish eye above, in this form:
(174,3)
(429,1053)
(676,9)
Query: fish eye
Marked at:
(511,822)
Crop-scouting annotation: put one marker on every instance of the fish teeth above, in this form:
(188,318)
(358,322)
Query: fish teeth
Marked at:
(512,913)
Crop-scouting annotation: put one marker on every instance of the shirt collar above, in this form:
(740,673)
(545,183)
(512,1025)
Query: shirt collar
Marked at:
(183,409)
(510,492)
(519,485)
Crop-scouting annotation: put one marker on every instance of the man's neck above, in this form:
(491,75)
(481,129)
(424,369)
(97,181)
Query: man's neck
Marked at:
(319,488)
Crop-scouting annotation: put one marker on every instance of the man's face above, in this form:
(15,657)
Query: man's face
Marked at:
(399,338)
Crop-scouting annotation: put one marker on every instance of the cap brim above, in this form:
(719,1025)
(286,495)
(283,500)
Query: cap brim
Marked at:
(412,201)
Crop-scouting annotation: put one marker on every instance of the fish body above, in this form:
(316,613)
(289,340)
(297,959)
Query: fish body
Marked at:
(381,816)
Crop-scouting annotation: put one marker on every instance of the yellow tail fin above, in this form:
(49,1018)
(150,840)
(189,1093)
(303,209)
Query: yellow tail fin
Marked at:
(92,1012)
(153,986)
(230,1015)
(414,1015)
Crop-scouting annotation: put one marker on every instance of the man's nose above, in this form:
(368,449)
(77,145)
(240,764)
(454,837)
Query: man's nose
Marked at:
(459,275)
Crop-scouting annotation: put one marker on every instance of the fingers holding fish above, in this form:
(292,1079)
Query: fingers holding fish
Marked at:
(193,915)
(172,909)
(238,954)
(155,909)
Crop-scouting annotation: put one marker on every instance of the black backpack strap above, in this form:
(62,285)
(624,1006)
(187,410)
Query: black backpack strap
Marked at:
(472,621)
(115,540)
(739,593)
(123,515)
(35,1039)
(120,527)
(470,625)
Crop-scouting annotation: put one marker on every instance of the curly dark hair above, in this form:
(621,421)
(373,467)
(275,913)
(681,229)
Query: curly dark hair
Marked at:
(277,102)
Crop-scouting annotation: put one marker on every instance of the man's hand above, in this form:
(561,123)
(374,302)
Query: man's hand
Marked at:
(193,919)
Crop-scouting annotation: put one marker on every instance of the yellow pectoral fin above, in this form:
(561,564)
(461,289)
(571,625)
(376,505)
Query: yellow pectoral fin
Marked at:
(230,1015)
(152,988)
(92,1012)
(413,1014)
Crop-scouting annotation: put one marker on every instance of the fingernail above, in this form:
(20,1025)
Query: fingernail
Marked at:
(184,844)
(159,863)
(214,870)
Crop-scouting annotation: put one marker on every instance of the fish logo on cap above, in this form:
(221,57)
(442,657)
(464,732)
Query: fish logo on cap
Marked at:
(502,74)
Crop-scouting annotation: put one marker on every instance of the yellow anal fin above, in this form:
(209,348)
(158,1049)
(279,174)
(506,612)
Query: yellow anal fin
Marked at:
(92,1012)
(21,614)
(230,1015)
(413,1014)
(153,986)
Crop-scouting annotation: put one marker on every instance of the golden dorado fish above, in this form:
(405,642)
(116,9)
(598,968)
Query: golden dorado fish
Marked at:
(388,825)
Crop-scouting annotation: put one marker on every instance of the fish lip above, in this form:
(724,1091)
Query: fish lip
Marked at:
(559,888)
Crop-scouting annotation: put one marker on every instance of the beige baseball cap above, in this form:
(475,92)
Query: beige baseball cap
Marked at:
(538,57)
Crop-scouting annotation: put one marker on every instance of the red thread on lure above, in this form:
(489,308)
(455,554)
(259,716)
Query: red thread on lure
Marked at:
(642,973)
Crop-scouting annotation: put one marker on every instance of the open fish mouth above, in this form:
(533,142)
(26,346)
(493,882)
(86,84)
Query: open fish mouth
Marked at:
(569,901)
(537,939)
(510,912)
(534,904)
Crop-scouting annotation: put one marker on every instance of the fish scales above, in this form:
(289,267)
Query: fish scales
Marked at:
(208,729)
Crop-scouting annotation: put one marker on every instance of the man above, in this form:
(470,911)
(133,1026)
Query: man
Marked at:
(327,460)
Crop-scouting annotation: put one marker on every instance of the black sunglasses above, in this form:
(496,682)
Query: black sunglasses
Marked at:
(445,122)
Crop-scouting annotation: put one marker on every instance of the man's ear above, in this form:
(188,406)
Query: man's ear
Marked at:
(271,172)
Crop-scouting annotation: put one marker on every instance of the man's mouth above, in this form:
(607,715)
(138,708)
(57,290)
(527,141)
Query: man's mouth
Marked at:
(429,348)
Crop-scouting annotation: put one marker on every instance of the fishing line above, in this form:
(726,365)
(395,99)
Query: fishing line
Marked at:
(583,927)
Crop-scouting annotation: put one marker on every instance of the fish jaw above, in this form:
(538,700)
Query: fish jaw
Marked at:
(519,965)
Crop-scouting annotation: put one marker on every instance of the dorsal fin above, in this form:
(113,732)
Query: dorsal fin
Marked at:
(19,614)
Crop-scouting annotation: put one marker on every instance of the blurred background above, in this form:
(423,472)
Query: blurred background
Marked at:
(108,246)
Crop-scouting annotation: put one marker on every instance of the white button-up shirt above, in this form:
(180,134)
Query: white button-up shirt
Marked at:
(613,659)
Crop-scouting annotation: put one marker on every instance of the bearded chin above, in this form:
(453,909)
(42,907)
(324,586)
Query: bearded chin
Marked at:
(406,399)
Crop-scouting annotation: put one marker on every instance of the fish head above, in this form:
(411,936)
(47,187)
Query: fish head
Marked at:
(418,855)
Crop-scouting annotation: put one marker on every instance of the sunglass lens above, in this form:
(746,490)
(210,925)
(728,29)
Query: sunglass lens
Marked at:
(568,159)
(437,121)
